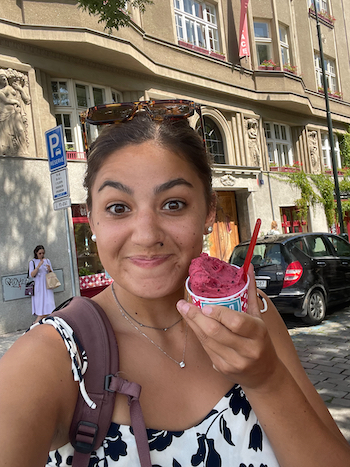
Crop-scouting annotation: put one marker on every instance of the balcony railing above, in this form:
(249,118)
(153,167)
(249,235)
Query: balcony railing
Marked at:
(76,156)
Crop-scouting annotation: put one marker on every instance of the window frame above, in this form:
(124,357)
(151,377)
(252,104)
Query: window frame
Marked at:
(74,110)
(330,70)
(280,149)
(321,5)
(263,41)
(284,46)
(205,26)
(326,151)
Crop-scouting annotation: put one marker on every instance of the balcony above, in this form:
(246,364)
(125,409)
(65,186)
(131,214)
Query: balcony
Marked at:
(75,156)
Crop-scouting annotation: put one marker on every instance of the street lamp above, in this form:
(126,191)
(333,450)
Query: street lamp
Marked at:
(329,123)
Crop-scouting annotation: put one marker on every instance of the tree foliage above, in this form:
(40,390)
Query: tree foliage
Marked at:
(113,13)
(344,146)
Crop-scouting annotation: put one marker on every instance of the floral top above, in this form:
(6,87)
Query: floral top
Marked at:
(229,436)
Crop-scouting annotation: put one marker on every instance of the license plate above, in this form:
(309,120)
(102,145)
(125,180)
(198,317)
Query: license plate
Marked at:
(261,284)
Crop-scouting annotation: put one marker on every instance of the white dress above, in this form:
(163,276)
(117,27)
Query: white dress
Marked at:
(43,301)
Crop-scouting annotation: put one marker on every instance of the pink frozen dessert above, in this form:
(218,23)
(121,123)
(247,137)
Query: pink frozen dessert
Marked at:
(212,278)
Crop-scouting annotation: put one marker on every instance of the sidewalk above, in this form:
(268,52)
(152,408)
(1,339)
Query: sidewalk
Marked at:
(324,351)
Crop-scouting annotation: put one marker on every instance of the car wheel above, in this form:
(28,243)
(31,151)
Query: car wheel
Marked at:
(315,308)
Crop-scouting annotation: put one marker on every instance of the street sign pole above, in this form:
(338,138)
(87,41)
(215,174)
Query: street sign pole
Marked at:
(70,253)
(329,124)
(59,182)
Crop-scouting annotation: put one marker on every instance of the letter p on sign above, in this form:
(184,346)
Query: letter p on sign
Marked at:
(55,148)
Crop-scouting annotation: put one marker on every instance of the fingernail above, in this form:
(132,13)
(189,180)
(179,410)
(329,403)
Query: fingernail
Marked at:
(183,307)
(207,310)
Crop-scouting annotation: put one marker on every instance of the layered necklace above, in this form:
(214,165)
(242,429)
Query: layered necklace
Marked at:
(132,321)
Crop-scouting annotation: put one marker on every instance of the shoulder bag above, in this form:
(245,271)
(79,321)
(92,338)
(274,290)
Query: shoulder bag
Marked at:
(30,284)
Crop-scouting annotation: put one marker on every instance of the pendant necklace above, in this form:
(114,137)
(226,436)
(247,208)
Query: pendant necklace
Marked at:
(126,315)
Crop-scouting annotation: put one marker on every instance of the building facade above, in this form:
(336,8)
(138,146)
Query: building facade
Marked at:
(264,116)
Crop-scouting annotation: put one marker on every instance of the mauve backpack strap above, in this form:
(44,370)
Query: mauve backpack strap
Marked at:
(94,333)
(133,390)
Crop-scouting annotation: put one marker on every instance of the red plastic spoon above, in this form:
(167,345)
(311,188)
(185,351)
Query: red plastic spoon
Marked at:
(249,256)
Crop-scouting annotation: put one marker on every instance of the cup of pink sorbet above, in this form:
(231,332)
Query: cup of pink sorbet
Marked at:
(211,280)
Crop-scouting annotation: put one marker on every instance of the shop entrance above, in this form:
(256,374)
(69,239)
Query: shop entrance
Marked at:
(290,222)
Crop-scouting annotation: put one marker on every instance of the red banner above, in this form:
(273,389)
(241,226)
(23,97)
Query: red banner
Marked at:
(243,31)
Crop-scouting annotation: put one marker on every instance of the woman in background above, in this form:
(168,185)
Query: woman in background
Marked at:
(43,301)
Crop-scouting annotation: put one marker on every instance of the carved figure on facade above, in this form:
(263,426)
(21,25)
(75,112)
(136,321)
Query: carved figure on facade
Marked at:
(251,125)
(13,118)
(313,148)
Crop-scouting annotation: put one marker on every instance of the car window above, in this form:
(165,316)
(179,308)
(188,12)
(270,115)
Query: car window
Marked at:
(298,243)
(342,248)
(316,246)
(273,254)
(238,255)
(263,254)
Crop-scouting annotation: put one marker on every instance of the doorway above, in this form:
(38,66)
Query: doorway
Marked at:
(225,229)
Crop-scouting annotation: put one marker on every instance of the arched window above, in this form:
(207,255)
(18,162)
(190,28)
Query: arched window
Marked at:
(214,140)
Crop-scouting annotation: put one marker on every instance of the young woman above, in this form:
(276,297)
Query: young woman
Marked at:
(150,202)
(43,300)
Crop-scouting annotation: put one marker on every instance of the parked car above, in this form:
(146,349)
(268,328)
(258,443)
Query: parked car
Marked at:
(302,273)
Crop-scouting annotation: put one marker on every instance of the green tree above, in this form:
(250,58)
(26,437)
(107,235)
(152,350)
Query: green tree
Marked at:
(113,12)
(344,146)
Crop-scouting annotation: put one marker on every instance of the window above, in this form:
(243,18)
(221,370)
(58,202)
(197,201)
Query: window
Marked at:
(321,5)
(316,246)
(214,141)
(279,145)
(284,45)
(60,93)
(326,151)
(196,24)
(263,41)
(65,121)
(341,247)
(331,76)
(70,98)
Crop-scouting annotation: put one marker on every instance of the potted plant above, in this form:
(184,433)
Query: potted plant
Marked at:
(337,94)
(290,68)
(268,65)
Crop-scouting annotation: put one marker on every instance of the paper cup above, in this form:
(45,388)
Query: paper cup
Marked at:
(238,301)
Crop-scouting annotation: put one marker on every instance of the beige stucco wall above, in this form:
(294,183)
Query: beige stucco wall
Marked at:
(27,219)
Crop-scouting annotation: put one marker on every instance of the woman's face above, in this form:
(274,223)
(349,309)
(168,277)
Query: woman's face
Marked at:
(40,254)
(149,216)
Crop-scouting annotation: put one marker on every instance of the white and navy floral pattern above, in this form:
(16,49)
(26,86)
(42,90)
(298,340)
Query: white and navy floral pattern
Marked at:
(229,436)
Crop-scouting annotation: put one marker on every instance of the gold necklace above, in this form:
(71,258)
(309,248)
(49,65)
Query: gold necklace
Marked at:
(182,363)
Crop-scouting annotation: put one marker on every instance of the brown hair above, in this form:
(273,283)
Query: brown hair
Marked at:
(36,249)
(175,135)
(273,225)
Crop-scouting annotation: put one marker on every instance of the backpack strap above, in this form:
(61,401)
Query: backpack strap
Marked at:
(94,335)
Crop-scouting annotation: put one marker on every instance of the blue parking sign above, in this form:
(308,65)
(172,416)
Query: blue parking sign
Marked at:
(56,152)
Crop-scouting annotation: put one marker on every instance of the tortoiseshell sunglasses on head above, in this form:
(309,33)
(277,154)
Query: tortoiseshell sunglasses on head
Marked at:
(158,110)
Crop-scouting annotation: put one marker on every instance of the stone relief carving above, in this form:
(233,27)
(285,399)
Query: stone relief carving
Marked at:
(251,125)
(313,147)
(13,118)
(227,180)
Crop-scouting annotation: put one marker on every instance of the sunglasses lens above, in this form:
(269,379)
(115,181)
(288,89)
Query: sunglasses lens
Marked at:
(161,110)
(110,113)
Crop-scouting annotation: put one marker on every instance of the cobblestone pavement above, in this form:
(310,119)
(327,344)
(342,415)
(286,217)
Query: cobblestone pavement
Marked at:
(324,351)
